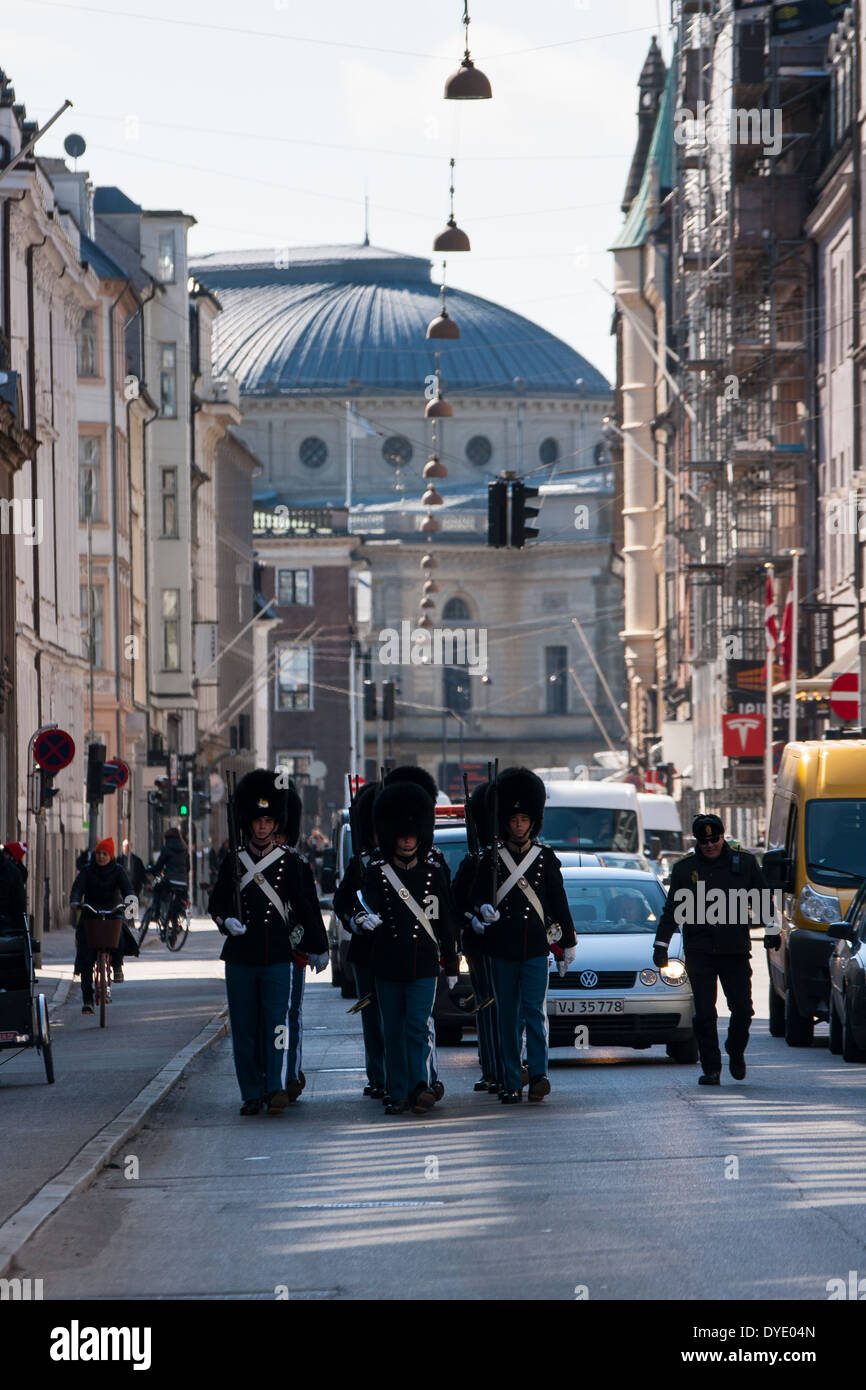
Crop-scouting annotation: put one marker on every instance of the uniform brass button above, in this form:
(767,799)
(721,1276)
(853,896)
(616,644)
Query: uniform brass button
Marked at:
(259,878)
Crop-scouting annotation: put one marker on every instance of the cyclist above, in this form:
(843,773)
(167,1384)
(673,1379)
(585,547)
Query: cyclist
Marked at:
(102,882)
(173,864)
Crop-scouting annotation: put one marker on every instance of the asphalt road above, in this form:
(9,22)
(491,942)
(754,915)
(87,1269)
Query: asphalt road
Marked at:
(629,1182)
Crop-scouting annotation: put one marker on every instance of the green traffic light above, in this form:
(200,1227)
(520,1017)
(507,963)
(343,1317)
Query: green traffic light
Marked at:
(184,810)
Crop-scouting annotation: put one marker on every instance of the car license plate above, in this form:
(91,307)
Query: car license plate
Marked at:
(589,1006)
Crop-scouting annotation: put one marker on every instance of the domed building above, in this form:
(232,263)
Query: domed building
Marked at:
(329,347)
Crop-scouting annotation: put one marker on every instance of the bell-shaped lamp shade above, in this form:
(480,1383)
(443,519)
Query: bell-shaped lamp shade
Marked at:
(443,326)
(426,604)
(431,498)
(452,238)
(429,525)
(430,587)
(425,621)
(429,562)
(434,468)
(468,83)
(438,409)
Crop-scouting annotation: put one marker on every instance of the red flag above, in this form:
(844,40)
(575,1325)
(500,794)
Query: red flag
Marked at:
(772,631)
(787,644)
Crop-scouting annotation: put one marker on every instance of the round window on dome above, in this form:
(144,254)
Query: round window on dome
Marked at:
(479,450)
(397,450)
(548,450)
(313,452)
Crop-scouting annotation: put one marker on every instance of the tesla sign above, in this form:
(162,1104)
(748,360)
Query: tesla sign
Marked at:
(743,735)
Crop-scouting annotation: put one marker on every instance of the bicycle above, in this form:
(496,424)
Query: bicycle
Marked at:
(102,933)
(171,918)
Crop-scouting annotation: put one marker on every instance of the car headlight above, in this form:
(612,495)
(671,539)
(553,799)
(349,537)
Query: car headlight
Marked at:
(464,966)
(674,973)
(648,977)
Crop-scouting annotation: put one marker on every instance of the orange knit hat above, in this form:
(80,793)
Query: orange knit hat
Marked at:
(107,844)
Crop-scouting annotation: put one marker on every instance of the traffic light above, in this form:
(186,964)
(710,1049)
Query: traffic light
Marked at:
(180,797)
(95,765)
(497,513)
(388,700)
(47,789)
(520,514)
(200,805)
(369,699)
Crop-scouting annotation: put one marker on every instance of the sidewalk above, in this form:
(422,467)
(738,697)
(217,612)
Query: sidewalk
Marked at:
(164,1002)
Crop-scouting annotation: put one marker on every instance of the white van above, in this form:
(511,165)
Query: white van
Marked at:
(593,816)
(661,820)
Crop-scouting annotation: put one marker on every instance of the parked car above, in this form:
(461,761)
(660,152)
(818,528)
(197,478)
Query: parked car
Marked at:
(847,1002)
(629,861)
(612,986)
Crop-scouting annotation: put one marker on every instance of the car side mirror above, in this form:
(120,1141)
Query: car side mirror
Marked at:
(843,930)
(329,879)
(778,870)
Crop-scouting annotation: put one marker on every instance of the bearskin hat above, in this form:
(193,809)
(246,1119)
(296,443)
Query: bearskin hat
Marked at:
(361,816)
(418,775)
(404,808)
(478,810)
(518,790)
(258,794)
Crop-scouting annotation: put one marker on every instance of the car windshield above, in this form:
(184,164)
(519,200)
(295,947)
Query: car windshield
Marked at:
(624,861)
(590,827)
(611,907)
(672,840)
(835,841)
(454,851)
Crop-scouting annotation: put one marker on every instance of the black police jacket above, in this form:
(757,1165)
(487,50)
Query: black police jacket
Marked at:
(346,907)
(402,949)
(269,938)
(707,901)
(520,933)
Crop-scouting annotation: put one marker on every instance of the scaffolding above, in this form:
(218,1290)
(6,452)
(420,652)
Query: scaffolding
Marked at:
(742,303)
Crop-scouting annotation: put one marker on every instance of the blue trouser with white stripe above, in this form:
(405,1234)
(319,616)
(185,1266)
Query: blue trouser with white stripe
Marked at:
(371,1025)
(406,1008)
(520,990)
(258,999)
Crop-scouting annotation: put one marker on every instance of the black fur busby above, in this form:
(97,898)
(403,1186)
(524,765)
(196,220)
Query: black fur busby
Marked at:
(258,794)
(478,810)
(362,818)
(404,808)
(418,775)
(518,790)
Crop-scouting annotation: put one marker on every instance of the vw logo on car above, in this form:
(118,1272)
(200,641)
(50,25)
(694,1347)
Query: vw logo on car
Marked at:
(588,979)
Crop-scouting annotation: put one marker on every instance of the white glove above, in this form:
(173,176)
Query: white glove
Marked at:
(488,913)
(368,921)
(130,907)
(234,927)
(451,981)
(477,924)
(319,963)
(562,967)
(569,955)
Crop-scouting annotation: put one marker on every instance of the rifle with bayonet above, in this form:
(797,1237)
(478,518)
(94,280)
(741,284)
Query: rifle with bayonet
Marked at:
(234,840)
(472,841)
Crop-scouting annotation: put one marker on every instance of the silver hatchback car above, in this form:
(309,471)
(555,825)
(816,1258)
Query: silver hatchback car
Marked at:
(613,993)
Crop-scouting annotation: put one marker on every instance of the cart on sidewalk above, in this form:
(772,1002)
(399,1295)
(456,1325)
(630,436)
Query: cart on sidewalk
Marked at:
(23,1010)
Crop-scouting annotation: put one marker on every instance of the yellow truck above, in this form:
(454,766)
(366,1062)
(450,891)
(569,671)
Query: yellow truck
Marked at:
(816,860)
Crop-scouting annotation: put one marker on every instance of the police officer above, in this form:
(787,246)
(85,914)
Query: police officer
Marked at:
(406,904)
(523,911)
(473,949)
(716,941)
(360,955)
(279,914)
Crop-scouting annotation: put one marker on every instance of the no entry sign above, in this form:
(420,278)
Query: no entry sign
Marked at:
(54,749)
(845,697)
(115,774)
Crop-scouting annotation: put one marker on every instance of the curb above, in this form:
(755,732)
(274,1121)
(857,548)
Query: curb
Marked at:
(88,1163)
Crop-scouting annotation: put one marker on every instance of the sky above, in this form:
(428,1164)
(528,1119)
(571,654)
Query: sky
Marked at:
(271,121)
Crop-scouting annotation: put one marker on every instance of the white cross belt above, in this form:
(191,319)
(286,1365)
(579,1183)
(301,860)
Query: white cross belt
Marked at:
(255,874)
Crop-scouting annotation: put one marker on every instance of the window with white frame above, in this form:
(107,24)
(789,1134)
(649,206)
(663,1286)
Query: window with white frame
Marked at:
(294,676)
(171,629)
(165,258)
(89,477)
(88,344)
(168,487)
(293,586)
(168,379)
(91,624)
(297,765)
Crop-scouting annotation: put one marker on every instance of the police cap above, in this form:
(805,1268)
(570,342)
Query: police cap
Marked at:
(707,828)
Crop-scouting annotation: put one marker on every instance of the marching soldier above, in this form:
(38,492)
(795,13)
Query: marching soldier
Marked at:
(523,911)
(279,915)
(473,948)
(361,946)
(717,950)
(406,904)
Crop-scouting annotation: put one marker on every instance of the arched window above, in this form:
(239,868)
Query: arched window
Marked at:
(548,450)
(456,681)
